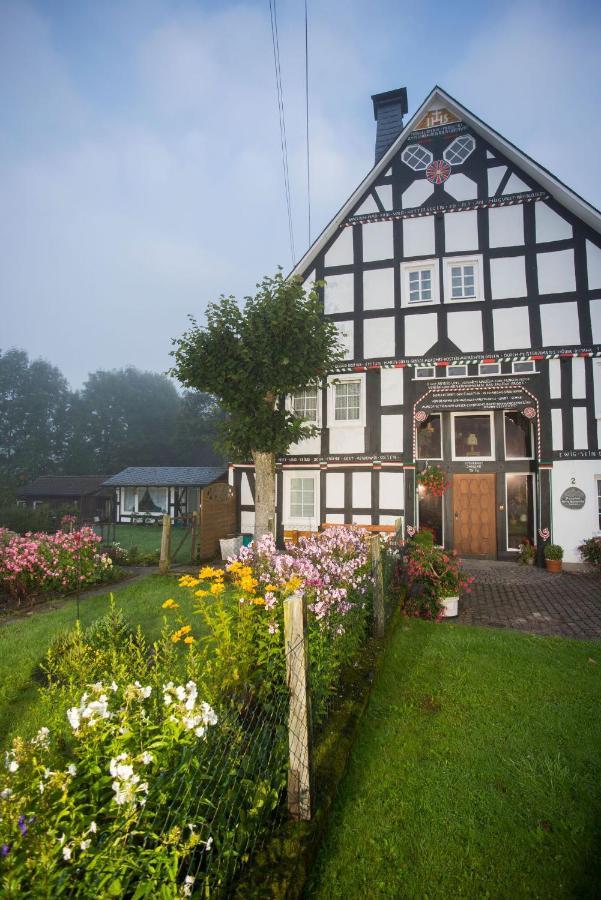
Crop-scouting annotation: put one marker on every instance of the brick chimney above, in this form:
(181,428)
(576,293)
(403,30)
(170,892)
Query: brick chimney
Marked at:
(389,109)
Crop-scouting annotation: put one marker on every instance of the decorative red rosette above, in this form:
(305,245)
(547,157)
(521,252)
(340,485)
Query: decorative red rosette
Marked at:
(530,412)
(421,416)
(438,171)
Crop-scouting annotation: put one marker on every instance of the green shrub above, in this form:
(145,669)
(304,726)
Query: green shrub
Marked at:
(423,538)
(590,550)
(553,551)
(22,519)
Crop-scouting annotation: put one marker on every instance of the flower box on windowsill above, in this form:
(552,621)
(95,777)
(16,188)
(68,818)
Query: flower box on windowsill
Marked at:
(450,606)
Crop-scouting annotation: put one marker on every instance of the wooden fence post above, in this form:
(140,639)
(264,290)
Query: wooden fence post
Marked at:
(375,552)
(193,554)
(299,714)
(165,560)
(398,529)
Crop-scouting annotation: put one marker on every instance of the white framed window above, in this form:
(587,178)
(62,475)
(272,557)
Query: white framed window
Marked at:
(301,499)
(146,499)
(417,157)
(419,283)
(523,366)
(458,151)
(128,496)
(463,279)
(425,372)
(346,401)
(492,368)
(305,404)
(457,371)
(473,435)
(520,510)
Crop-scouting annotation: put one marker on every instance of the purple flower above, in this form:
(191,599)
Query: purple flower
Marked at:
(22,825)
(4,849)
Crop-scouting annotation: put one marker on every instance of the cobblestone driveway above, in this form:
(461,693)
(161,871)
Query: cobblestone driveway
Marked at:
(509,595)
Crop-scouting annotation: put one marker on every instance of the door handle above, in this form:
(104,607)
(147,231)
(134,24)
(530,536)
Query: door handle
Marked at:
(456,515)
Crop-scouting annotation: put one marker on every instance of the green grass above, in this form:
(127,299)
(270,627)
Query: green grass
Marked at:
(477,772)
(24,642)
(147,538)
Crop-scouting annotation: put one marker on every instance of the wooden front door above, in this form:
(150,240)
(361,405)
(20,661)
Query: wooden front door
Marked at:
(474,515)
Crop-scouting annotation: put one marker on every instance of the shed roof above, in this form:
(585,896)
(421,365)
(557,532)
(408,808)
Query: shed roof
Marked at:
(166,476)
(62,486)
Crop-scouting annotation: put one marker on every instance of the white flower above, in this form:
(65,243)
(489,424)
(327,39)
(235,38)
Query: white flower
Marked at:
(146,758)
(209,716)
(72,770)
(119,769)
(143,692)
(187,886)
(13,765)
(74,717)
(85,844)
(66,853)
(41,738)
(200,731)
(180,692)
(93,828)
(97,686)
(114,686)
(209,844)
(5,794)
(41,787)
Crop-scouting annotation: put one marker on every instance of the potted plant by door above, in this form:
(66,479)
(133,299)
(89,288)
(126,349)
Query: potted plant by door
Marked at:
(553,557)
(527,552)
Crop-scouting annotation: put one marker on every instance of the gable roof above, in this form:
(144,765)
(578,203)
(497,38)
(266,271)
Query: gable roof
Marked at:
(62,486)
(166,476)
(556,188)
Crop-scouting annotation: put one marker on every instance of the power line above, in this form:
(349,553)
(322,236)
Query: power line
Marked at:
(307,119)
(280,99)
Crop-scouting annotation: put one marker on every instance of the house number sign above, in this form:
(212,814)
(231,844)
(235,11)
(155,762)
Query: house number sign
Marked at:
(573,498)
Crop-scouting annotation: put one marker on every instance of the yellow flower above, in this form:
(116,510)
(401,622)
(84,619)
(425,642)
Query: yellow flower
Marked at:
(170,604)
(209,572)
(271,588)
(294,583)
(175,637)
(201,593)
(248,584)
(188,581)
(185,629)
(234,566)
(189,640)
(217,588)
(259,601)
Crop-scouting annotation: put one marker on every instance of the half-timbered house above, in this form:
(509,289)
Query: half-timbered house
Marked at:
(465,280)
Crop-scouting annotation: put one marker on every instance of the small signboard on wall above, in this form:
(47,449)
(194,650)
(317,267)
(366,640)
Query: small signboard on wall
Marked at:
(573,498)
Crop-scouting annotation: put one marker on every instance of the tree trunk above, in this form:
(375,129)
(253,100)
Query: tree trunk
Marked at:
(264,493)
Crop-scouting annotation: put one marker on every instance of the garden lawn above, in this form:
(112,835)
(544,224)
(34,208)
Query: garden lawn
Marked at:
(24,642)
(477,772)
(147,538)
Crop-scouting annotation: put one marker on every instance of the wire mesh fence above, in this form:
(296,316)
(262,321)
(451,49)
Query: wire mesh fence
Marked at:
(139,543)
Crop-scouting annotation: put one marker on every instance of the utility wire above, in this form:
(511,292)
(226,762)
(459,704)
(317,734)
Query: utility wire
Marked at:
(280,99)
(307,118)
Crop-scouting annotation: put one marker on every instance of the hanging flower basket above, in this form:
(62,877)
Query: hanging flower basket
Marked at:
(433,480)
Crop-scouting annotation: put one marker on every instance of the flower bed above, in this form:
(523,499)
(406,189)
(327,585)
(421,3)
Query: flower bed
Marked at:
(431,574)
(40,563)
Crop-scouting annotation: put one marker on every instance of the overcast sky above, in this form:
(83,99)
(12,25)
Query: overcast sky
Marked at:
(140,166)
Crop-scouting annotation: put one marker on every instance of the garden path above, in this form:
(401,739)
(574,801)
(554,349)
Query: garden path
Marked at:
(508,595)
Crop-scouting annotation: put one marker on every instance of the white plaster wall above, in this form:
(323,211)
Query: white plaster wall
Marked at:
(595,306)
(572,526)
(557,429)
(580,430)
(508,277)
(555,378)
(361,519)
(347,440)
(549,225)
(506,226)
(461,187)
(511,327)
(309,446)
(384,192)
(246,497)
(417,192)
(341,251)
(377,241)
(391,386)
(556,272)
(559,323)
(515,185)
(346,334)
(369,205)
(465,329)
(421,332)
(247,522)
(339,294)
(392,490)
(578,379)
(335,518)
(593,263)
(391,434)
(361,490)
(335,490)
(378,288)
(495,176)
(387,520)
(418,236)
(378,337)
(461,231)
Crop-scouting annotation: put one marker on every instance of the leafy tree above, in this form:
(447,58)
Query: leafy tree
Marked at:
(35,425)
(250,359)
(197,431)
